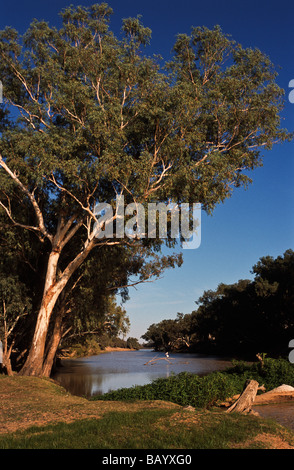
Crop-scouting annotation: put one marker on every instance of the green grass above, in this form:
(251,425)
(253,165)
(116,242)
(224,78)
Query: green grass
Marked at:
(147,429)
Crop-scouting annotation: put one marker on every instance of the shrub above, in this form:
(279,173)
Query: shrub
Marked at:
(275,372)
(183,389)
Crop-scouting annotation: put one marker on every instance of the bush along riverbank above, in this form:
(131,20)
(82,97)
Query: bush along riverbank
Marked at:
(204,392)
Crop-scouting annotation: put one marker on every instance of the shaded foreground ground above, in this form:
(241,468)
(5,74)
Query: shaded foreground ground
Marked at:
(31,401)
(66,421)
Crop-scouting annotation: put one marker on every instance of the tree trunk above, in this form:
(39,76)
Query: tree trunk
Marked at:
(53,344)
(7,364)
(5,352)
(247,397)
(6,356)
(34,361)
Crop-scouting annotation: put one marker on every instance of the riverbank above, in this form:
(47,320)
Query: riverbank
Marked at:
(111,349)
(38,413)
(92,352)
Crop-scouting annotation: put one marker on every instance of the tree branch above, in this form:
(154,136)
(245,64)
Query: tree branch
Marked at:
(38,212)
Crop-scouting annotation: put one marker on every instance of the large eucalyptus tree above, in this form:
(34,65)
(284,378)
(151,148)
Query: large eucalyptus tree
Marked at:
(90,118)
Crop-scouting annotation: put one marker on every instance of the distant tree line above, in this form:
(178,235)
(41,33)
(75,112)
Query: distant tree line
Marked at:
(241,319)
(90,345)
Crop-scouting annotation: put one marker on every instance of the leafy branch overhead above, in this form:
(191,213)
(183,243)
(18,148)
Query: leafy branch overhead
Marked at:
(97,118)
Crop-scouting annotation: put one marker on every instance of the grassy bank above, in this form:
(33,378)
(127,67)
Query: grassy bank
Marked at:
(154,429)
(38,413)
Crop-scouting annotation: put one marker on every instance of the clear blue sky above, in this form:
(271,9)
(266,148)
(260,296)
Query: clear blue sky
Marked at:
(251,224)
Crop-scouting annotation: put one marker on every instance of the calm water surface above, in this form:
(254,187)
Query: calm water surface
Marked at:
(110,371)
(113,370)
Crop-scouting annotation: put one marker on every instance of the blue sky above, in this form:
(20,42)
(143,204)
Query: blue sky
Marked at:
(253,223)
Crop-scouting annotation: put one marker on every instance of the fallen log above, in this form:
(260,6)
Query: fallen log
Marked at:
(245,401)
(153,361)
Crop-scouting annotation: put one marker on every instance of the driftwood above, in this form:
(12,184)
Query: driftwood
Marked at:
(153,361)
(247,397)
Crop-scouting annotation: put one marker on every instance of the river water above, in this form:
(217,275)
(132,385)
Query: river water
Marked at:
(113,370)
(100,374)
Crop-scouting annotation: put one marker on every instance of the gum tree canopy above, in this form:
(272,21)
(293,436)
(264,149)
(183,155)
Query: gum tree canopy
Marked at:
(88,116)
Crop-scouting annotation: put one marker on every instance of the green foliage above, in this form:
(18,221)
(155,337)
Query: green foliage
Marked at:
(272,374)
(88,347)
(190,389)
(15,304)
(14,300)
(133,343)
(169,334)
(98,118)
(95,344)
(183,389)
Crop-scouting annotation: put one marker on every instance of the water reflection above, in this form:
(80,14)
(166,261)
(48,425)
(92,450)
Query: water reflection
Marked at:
(105,372)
